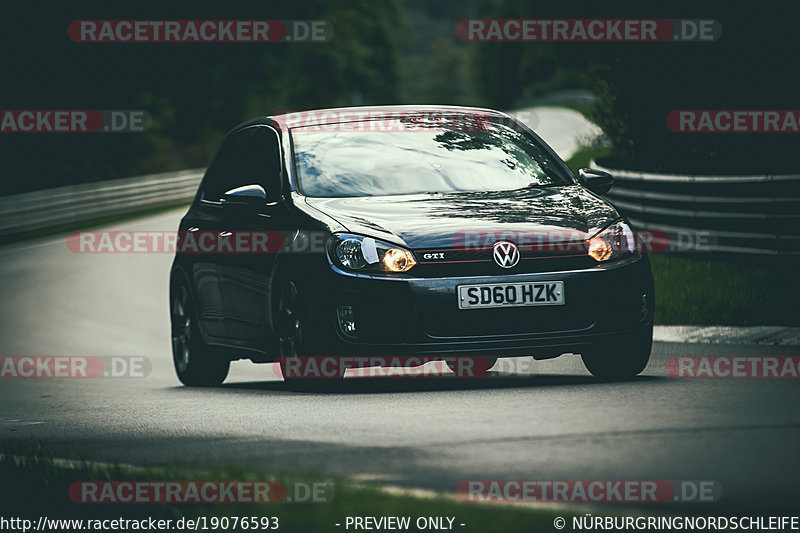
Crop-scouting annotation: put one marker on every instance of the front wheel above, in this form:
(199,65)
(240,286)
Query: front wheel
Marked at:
(299,340)
(195,364)
(623,358)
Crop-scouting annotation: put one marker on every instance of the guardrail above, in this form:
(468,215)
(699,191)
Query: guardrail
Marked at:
(28,213)
(753,215)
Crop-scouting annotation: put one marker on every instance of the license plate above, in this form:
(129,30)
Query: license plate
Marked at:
(511,294)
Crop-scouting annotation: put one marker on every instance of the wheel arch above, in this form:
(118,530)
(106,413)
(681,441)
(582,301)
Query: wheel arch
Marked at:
(177,275)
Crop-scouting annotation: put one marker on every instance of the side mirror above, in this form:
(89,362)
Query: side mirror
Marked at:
(250,196)
(597,181)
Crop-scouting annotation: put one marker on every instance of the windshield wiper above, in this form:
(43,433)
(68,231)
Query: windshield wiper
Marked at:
(535,185)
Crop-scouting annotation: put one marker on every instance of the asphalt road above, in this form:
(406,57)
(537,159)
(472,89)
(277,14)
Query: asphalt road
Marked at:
(546,421)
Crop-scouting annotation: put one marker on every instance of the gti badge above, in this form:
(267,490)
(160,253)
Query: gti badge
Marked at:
(506,254)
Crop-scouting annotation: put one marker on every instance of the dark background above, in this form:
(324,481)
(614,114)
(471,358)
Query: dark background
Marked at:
(389,52)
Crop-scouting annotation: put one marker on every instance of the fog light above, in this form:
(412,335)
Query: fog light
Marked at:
(347,320)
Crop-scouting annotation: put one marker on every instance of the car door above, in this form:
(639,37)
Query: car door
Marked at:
(245,273)
(202,224)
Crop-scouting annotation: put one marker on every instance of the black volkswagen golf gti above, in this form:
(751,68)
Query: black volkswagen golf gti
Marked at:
(435,232)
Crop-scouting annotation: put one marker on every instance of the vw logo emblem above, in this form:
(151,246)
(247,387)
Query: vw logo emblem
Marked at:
(506,254)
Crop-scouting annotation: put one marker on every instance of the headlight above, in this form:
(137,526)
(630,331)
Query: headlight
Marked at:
(355,252)
(613,242)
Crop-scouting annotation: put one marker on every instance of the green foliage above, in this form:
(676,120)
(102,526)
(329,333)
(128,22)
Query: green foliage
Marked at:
(194,92)
(639,84)
(700,292)
(388,52)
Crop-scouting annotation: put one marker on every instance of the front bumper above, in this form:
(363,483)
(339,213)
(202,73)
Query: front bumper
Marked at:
(411,316)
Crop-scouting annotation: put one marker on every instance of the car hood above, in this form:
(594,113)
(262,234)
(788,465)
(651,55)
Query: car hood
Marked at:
(427,221)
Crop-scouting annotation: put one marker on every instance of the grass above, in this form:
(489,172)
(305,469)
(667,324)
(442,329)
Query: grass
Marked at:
(694,291)
(39,487)
(700,292)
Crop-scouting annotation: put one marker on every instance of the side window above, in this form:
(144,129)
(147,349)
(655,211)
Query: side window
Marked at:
(250,156)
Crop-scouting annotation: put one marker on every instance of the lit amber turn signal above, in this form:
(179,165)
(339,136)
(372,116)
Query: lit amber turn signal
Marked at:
(599,249)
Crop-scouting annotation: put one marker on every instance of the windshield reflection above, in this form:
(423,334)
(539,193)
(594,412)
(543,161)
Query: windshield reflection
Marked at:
(495,157)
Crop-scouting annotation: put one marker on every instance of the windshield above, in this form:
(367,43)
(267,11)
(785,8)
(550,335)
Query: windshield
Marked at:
(348,163)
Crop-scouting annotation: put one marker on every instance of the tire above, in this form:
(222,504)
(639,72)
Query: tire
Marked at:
(297,334)
(480,366)
(195,364)
(621,359)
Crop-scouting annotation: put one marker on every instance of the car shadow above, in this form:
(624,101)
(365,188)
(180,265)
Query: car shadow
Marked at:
(393,385)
